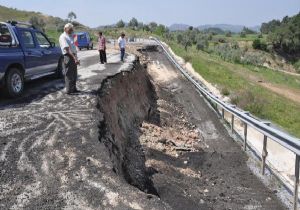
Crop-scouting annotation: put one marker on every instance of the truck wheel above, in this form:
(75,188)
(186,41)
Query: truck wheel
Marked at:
(59,70)
(14,82)
(88,48)
(92,46)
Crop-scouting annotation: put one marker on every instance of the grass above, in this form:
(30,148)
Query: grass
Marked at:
(247,94)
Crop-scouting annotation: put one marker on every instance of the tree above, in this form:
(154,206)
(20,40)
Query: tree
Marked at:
(72,16)
(120,24)
(285,37)
(146,28)
(160,30)
(186,42)
(179,38)
(248,31)
(258,45)
(141,26)
(133,23)
(243,34)
(269,27)
(152,26)
(191,28)
(37,22)
(202,44)
(228,34)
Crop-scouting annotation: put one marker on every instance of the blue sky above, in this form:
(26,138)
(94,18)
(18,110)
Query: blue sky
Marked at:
(193,12)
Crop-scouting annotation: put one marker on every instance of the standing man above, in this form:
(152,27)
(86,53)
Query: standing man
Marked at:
(122,45)
(71,61)
(102,48)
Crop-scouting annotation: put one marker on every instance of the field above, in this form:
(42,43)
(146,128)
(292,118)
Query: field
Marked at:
(245,85)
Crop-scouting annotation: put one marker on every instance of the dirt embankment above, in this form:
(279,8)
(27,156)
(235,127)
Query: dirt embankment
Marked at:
(126,100)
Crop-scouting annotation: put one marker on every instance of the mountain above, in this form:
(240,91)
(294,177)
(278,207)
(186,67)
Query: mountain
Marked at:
(178,27)
(228,27)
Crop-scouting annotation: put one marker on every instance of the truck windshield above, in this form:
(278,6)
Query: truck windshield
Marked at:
(5,36)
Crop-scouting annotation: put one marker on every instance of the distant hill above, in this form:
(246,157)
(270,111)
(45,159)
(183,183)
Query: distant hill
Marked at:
(228,27)
(178,27)
(214,30)
(24,16)
(219,28)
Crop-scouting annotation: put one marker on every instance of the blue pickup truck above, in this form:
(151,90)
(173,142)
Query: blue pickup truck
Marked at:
(25,54)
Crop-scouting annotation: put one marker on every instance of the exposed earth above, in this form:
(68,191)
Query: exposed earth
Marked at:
(133,138)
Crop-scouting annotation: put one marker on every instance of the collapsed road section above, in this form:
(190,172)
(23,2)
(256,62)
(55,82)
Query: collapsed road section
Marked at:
(135,138)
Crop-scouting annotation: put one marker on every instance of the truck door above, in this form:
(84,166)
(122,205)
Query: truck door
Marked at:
(33,55)
(49,55)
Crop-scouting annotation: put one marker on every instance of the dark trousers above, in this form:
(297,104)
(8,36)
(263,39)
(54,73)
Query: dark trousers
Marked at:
(122,54)
(70,72)
(102,56)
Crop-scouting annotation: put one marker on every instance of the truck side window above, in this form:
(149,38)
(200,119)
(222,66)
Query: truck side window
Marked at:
(42,40)
(27,39)
(5,36)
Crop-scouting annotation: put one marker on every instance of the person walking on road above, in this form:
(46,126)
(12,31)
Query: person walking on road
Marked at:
(102,48)
(122,45)
(71,61)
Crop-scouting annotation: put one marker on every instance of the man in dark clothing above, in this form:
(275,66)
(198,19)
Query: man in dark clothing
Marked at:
(102,48)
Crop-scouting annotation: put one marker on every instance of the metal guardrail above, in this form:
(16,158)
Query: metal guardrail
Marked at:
(289,142)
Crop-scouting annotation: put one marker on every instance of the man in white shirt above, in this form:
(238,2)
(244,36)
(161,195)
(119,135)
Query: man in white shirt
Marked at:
(71,61)
(122,45)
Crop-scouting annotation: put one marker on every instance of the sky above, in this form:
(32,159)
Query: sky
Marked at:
(94,13)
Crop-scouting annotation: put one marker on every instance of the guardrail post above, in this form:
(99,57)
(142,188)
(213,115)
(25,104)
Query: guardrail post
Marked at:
(245,136)
(232,123)
(223,113)
(264,153)
(296,182)
(264,156)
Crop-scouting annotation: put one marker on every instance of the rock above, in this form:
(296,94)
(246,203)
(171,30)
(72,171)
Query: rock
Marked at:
(206,191)
(163,141)
(185,162)
(202,201)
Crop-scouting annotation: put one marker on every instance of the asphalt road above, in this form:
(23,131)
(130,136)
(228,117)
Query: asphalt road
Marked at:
(50,155)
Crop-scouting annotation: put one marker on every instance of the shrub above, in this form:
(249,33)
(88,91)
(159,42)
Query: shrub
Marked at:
(249,102)
(187,58)
(297,66)
(228,34)
(221,40)
(258,45)
(257,59)
(225,92)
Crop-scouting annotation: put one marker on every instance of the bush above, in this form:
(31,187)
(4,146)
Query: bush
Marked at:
(257,59)
(221,40)
(202,44)
(228,34)
(225,92)
(297,66)
(226,52)
(187,58)
(258,45)
(249,102)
